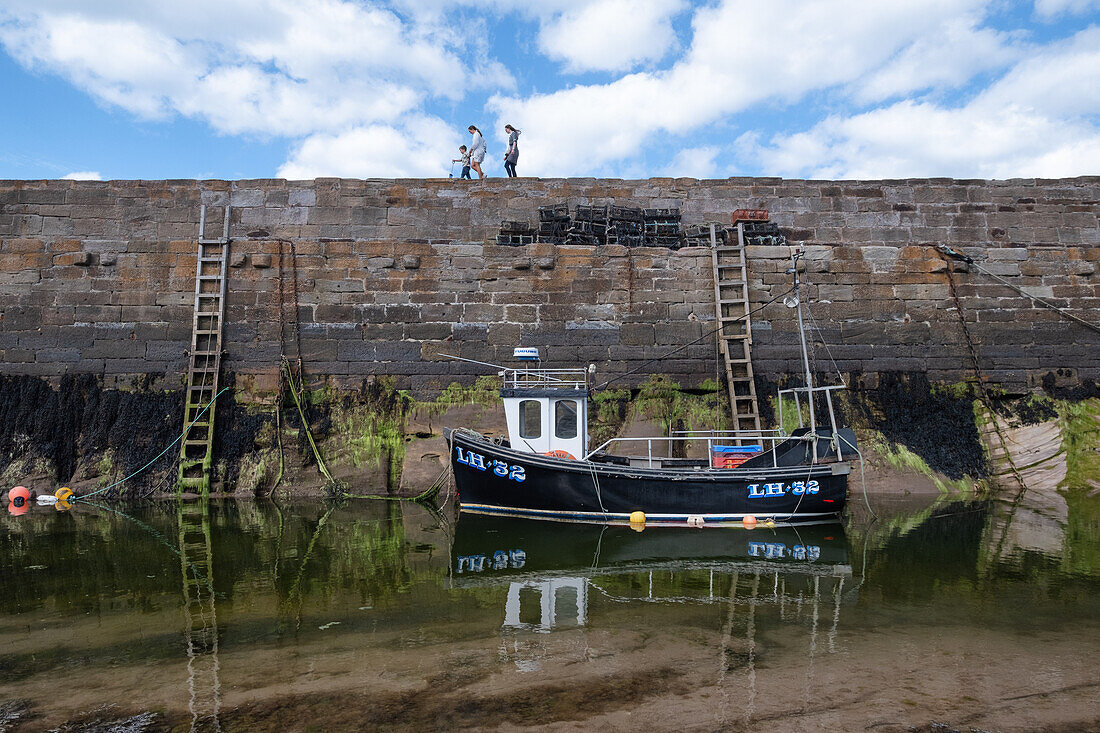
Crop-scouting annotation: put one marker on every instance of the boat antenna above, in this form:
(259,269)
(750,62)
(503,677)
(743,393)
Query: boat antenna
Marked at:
(795,257)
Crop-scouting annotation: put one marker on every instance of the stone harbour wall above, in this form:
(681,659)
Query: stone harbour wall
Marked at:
(98,277)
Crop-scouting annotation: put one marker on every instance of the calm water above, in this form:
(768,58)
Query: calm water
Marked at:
(389,616)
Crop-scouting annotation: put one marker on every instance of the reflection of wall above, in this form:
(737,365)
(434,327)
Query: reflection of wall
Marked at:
(543,605)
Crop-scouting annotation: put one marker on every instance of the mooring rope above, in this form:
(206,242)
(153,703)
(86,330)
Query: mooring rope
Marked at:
(159,455)
(706,335)
(955,254)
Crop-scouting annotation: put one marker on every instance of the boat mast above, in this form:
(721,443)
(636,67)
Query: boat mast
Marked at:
(795,256)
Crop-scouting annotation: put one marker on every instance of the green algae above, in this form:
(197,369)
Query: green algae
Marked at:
(1080,426)
(675,408)
(899,457)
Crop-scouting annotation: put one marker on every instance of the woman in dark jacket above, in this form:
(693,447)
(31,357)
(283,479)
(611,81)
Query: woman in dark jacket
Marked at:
(512,156)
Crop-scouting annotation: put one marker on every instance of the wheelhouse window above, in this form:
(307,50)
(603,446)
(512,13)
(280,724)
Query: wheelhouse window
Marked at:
(565,419)
(530,419)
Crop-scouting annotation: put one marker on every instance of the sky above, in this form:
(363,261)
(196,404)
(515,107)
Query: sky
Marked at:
(824,89)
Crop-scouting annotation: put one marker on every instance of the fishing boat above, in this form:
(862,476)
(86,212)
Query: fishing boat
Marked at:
(545,468)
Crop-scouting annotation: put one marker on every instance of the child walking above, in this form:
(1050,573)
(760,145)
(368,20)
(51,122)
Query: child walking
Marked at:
(464,156)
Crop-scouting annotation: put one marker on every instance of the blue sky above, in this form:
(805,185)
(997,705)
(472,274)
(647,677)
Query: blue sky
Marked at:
(621,88)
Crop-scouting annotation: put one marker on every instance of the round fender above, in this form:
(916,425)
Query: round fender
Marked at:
(560,454)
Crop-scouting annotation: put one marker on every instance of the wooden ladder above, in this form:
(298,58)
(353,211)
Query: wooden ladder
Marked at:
(196,451)
(731,299)
(201,623)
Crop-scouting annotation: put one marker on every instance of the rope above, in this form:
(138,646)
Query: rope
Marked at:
(706,335)
(862,475)
(150,463)
(983,393)
(305,423)
(945,250)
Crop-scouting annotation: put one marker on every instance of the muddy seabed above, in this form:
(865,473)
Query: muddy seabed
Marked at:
(381,616)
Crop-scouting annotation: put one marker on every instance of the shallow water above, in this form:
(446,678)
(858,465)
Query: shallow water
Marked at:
(373,615)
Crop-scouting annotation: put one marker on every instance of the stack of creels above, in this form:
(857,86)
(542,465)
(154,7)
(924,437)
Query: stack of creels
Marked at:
(516,233)
(625,226)
(589,225)
(762,233)
(698,235)
(663,228)
(553,223)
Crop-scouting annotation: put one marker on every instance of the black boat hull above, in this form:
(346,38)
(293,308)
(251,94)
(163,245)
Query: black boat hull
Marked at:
(494,479)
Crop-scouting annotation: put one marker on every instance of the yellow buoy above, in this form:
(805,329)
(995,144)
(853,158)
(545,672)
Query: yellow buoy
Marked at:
(749,521)
(637,521)
(769,522)
(64,493)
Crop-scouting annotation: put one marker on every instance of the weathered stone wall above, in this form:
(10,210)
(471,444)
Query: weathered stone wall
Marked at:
(99,277)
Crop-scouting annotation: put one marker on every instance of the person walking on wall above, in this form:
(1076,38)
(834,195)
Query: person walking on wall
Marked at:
(477,150)
(512,156)
(464,156)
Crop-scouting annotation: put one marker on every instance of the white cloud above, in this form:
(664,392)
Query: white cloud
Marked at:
(1052,8)
(1035,121)
(422,147)
(737,59)
(82,176)
(354,82)
(610,35)
(694,162)
(280,67)
(947,57)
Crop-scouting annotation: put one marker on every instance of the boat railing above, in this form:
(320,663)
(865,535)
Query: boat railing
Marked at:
(808,394)
(718,438)
(545,378)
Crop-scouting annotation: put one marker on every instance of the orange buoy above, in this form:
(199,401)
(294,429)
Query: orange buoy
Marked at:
(749,521)
(560,454)
(19,496)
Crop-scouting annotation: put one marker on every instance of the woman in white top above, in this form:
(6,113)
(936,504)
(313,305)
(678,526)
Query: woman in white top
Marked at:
(477,150)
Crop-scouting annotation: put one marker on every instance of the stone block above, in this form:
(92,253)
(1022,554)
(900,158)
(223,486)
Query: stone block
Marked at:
(302,197)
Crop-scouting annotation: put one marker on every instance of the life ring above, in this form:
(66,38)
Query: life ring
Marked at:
(560,454)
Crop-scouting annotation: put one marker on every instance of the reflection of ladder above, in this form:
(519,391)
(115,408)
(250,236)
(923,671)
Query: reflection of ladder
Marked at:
(731,298)
(201,629)
(196,452)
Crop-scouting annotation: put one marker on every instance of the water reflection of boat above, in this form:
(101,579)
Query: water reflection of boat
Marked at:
(555,573)
(493,549)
